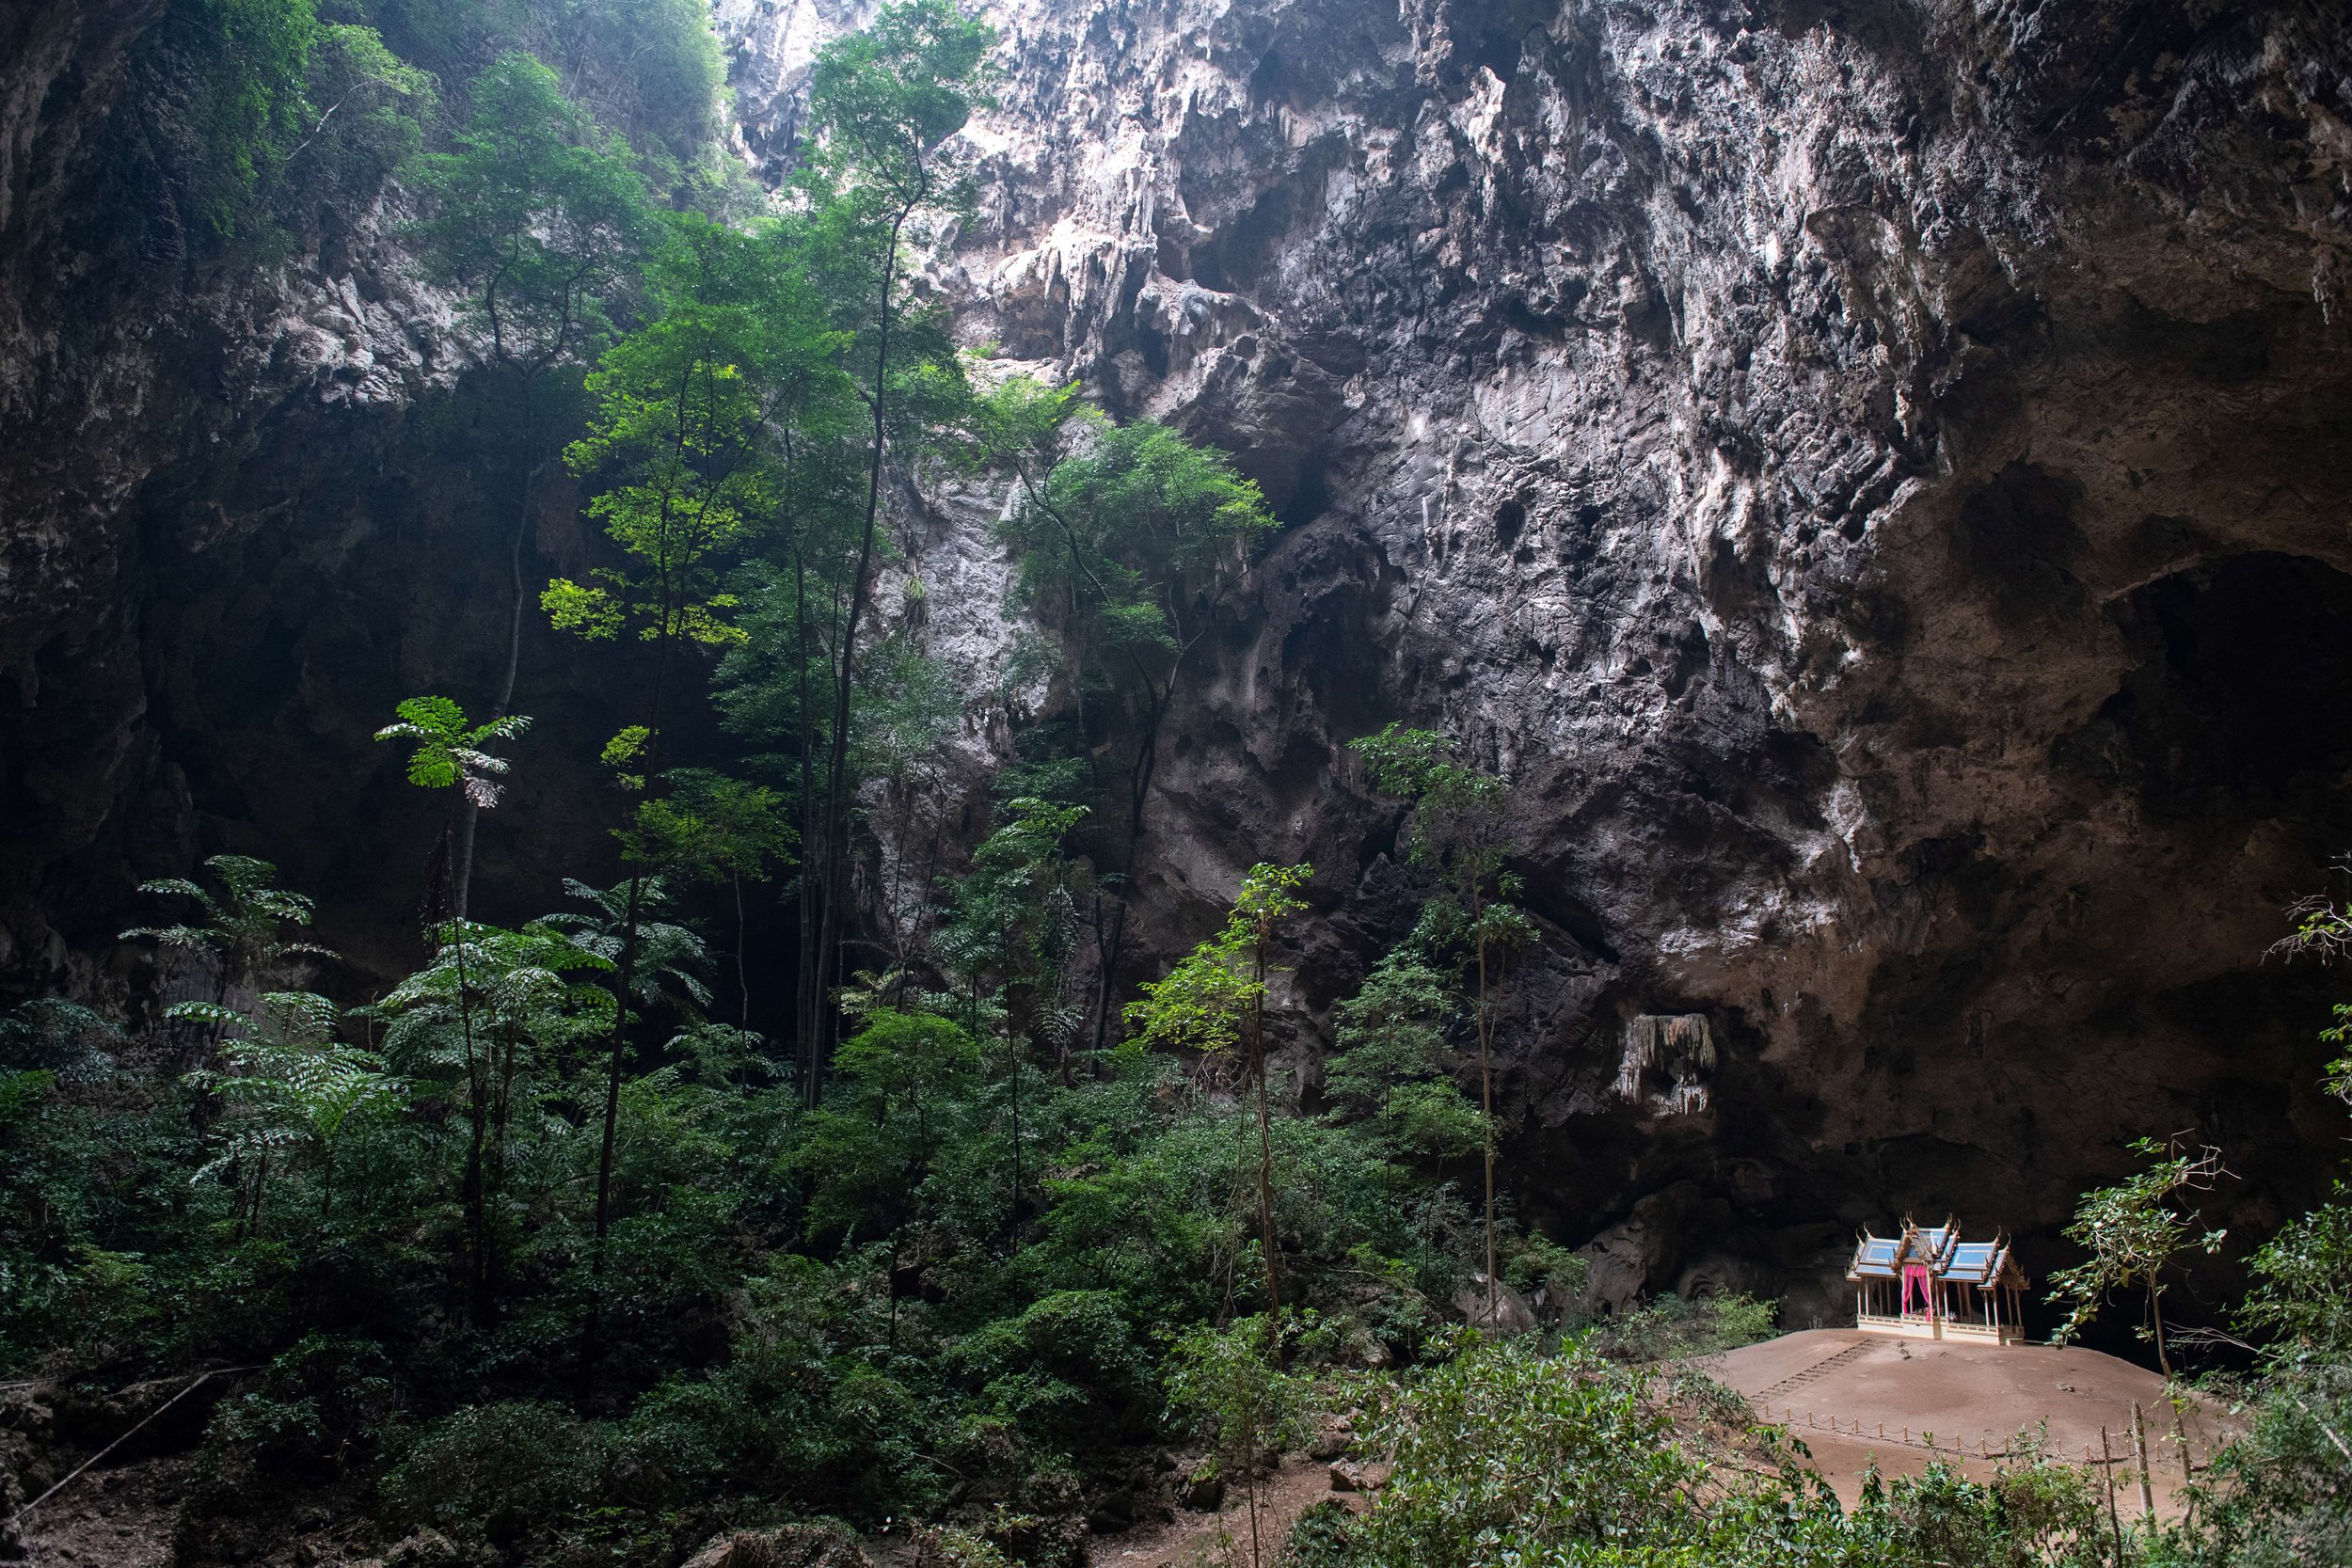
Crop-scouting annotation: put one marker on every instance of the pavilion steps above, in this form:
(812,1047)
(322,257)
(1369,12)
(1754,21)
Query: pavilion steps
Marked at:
(1820,1369)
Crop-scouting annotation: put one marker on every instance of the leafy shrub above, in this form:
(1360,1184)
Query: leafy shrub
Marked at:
(1324,1536)
(1067,1368)
(1501,1451)
(1671,1328)
(1506,1455)
(317,1411)
(488,1467)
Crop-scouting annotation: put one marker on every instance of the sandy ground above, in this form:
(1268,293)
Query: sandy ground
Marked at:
(1855,1397)
(1221,1540)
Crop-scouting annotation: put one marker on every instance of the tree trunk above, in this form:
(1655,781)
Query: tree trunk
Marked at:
(742,933)
(462,877)
(1265,1152)
(478,1110)
(837,859)
(1486,1107)
(590,1342)
(808,931)
(261,1177)
(1012,1054)
(623,978)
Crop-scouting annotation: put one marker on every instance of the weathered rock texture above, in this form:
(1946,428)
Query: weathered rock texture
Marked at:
(1874,475)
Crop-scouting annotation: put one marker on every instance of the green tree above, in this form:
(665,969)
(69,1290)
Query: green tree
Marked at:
(50,1216)
(677,425)
(494,1006)
(1227,1384)
(218,97)
(243,936)
(540,215)
(1460,837)
(2133,1231)
(2301,1302)
(653,961)
(449,752)
(884,103)
(2323,930)
(1130,541)
(2278,1491)
(288,1084)
(1392,1070)
(714,829)
(1215,997)
(1010,921)
(903,1081)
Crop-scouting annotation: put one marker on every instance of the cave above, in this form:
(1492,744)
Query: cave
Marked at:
(2230,659)
(766,765)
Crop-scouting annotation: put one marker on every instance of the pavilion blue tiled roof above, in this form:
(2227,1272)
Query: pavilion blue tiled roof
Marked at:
(1947,1258)
(1874,1259)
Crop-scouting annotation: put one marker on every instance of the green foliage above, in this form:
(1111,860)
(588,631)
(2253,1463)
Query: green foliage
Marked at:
(680,420)
(367,110)
(651,69)
(539,214)
(2277,1492)
(513,1461)
(244,937)
(670,956)
(711,828)
(977,1259)
(2323,930)
(289,1085)
(1129,537)
(900,1086)
(319,1408)
(1392,1070)
(1502,1453)
(1206,1000)
(1671,1328)
(888,95)
(1459,830)
(1505,1454)
(222,107)
(51,1216)
(2132,1231)
(1011,924)
(2301,1302)
(1070,1369)
(449,752)
(1227,1385)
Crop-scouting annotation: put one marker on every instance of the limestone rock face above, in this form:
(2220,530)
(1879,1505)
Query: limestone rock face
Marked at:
(1873,474)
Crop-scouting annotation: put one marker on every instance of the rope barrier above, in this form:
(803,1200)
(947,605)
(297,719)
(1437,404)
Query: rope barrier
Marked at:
(193,1386)
(1813,1421)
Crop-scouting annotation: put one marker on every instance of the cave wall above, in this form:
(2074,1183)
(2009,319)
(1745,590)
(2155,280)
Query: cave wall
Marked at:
(1874,475)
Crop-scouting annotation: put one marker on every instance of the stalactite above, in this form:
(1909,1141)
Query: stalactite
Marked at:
(1681,1046)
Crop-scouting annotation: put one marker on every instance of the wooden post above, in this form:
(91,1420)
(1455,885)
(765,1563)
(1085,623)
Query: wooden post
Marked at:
(2107,1473)
(2180,1430)
(2147,1490)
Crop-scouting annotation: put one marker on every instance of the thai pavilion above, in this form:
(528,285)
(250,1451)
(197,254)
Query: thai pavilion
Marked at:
(1929,1284)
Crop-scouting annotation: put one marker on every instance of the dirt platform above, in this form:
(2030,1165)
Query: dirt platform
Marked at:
(1856,1399)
